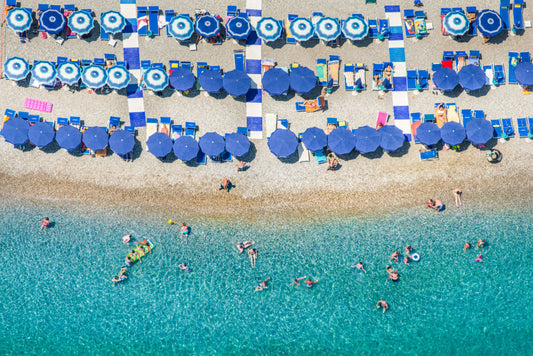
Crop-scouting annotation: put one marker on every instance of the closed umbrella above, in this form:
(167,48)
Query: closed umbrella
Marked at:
(456,23)
(182,79)
(489,23)
(237,144)
(428,133)
(212,144)
(159,144)
(523,72)
(52,21)
(94,76)
(112,21)
(155,78)
(341,141)
(68,137)
(80,22)
(355,28)
(210,81)
(121,142)
(328,28)
(236,82)
(275,81)
(479,131)
(314,139)
(282,143)
(68,73)
(445,79)
(301,29)
(181,28)
(95,138)
(302,80)
(367,139)
(238,27)
(472,77)
(207,26)
(15,131)
(43,72)
(16,68)
(19,19)
(185,148)
(118,77)
(392,138)
(452,133)
(268,29)
(41,134)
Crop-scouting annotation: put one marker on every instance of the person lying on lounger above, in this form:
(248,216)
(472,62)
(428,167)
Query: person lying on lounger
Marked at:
(316,104)
(440,115)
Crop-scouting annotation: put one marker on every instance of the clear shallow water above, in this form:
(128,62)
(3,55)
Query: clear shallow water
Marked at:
(57,297)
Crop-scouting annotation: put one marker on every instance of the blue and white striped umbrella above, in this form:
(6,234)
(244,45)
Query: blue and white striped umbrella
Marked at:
(355,28)
(44,72)
(456,23)
(207,26)
(68,72)
(118,77)
(155,79)
(16,68)
(181,27)
(80,22)
(301,29)
(112,21)
(268,29)
(489,23)
(238,27)
(52,21)
(19,19)
(94,76)
(328,28)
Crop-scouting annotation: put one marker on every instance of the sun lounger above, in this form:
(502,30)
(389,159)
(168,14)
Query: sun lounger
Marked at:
(479,114)
(238,59)
(201,157)
(334,64)
(508,126)
(384,29)
(360,80)
(61,121)
(300,106)
(303,152)
(451,112)
(332,121)
(420,24)
(499,75)
(443,12)
(381,119)
(153,20)
(504,13)
(83,149)
(409,22)
(349,77)
(530,121)
(270,124)
(522,127)
(76,121)
(282,124)
(429,118)
(165,125)
(114,121)
(412,76)
(169,14)
(200,68)
(176,132)
(423,76)
(467,116)
(320,156)
(472,11)
(518,18)
(377,69)
(24,115)
(33,119)
(489,74)
(242,130)
(151,127)
(322,71)
(190,129)
(142,20)
(525,57)
(373,29)
(430,155)
(460,60)
(474,61)
(497,127)
(173,65)
(415,118)
(288,35)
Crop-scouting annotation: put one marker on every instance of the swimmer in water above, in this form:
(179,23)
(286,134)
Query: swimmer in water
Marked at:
(45,223)
(359,266)
(262,286)
(184,229)
(406,259)
(121,276)
(253,256)
(144,243)
(479,258)
(183,266)
(467,246)
(309,283)
(126,238)
(296,282)
(241,246)
(480,243)
(395,256)
(408,249)
(393,274)
(382,304)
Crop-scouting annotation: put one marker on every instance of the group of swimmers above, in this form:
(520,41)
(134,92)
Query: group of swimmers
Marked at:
(480,244)
(132,256)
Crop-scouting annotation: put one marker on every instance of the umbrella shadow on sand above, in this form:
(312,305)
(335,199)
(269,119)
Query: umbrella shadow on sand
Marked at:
(291,159)
(250,156)
(402,150)
(484,90)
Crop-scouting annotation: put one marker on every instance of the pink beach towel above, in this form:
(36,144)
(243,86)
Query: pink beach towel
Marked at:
(38,105)
(382,119)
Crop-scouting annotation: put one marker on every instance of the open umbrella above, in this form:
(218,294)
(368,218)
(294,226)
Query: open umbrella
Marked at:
(94,76)
(238,27)
(314,139)
(80,22)
(472,77)
(118,77)
(210,81)
(159,144)
(237,144)
(212,144)
(19,19)
(68,137)
(185,148)
(121,142)
(282,143)
(489,23)
(302,80)
(367,139)
(16,68)
(268,29)
(328,28)
(44,72)
(52,21)
(428,133)
(456,23)
(275,81)
(452,133)
(236,82)
(182,79)
(523,72)
(155,78)
(68,72)
(15,131)
(112,21)
(392,138)
(181,27)
(95,138)
(355,28)
(341,141)
(479,131)
(445,79)
(301,29)
(207,26)
(41,134)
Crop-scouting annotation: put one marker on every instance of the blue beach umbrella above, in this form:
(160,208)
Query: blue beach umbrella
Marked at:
(19,19)
(282,143)
(341,141)
(43,72)
(445,79)
(456,23)
(68,137)
(523,72)
(236,82)
(15,131)
(182,79)
(80,22)
(112,21)
(328,29)
(489,23)
(185,148)
(181,28)
(302,80)
(16,68)
(94,76)
(367,139)
(121,142)
(68,73)
(268,29)
(118,77)
(472,77)
(52,21)
(155,79)
(301,29)
(210,81)
(212,144)
(479,131)
(237,144)
(95,138)
(392,138)
(41,134)
(314,139)
(159,144)
(355,28)
(238,27)
(207,26)
(452,133)
(275,81)
(428,133)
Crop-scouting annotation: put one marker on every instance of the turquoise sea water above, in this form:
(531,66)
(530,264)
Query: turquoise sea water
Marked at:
(57,298)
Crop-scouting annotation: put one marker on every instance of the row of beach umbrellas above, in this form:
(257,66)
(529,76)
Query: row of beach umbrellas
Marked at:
(488,22)
(478,131)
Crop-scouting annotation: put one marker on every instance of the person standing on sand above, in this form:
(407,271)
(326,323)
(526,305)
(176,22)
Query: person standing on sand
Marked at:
(225,184)
(457,196)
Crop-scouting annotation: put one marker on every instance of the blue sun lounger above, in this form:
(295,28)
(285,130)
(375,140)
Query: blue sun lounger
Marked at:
(497,127)
(504,13)
(499,75)
(384,29)
(190,129)
(412,77)
(479,114)
(33,119)
(409,22)
(169,14)
(429,155)
(201,157)
(518,18)
(472,31)
(525,57)
(322,71)
(377,69)
(423,76)
(349,77)
(530,120)
(320,156)
(514,59)
(238,60)
(153,20)
(415,117)
(373,29)
(522,127)
(467,116)
(288,36)
(175,132)
(508,128)
(114,121)
(142,19)
(24,115)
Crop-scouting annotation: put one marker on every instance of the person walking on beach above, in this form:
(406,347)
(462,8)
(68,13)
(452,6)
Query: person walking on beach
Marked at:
(253,256)
(457,196)
(296,282)
(45,223)
(382,304)
(359,266)
(262,286)
(226,184)
(241,246)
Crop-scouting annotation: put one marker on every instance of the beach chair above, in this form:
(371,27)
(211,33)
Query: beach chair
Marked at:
(288,35)
(360,80)
(188,66)
(472,30)
(270,124)
(332,121)
(479,114)
(76,121)
(381,119)
(451,112)
(504,13)
(530,121)
(24,115)
(33,119)
(474,60)
(165,125)
(499,75)
(460,60)
(153,20)
(497,127)
(508,128)
(423,76)
(201,157)
(377,69)
(415,117)
(522,127)
(142,20)
(429,155)
(173,65)
(525,57)
(282,124)
(114,121)
(467,116)
(429,117)
(322,71)
(384,29)
(303,152)
(448,56)
(409,22)
(61,121)
(518,19)
(349,77)
(412,77)
(373,29)
(333,71)
(242,130)
(238,59)
(190,129)
(436,66)
(169,15)
(176,132)
(489,74)
(151,127)
(443,12)
(420,24)
(514,59)
(130,129)
(320,156)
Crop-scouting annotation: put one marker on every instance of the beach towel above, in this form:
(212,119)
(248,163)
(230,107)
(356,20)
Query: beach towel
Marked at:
(270,123)
(360,79)
(409,26)
(440,121)
(142,22)
(382,119)
(349,79)
(420,27)
(38,105)
(333,72)
(452,114)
